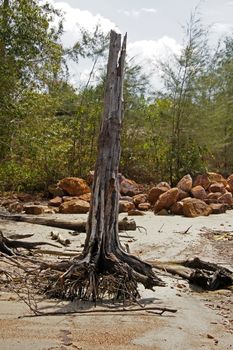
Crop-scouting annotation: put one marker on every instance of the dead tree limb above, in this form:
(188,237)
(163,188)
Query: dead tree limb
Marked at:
(74,225)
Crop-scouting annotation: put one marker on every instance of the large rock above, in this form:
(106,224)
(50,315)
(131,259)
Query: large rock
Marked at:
(166,200)
(182,195)
(207,179)
(185,184)
(177,208)
(86,197)
(217,187)
(139,198)
(125,206)
(202,180)
(215,177)
(226,198)
(129,187)
(194,207)
(34,209)
(144,206)
(74,186)
(155,192)
(55,202)
(214,196)
(74,206)
(218,208)
(199,192)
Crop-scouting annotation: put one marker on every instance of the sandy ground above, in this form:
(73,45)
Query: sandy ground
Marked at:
(204,320)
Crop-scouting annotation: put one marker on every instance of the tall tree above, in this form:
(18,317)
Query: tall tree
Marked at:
(30,56)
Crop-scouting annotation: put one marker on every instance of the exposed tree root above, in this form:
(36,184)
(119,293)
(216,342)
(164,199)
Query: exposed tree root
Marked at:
(8,246)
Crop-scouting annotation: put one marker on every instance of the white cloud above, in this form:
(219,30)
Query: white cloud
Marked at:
(136,13)
(74,19)
(153,50)
(222,28)
(145,52)
(148,54)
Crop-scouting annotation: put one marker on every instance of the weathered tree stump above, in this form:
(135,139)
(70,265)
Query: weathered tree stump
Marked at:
(104,268)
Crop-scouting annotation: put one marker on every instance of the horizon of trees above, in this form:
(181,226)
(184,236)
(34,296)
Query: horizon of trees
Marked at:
(49,128)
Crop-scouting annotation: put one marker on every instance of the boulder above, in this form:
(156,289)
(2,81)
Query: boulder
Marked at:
(194,207)
(214,195)
(226,198)
(155,192)
(185,184)
(86,197)
(202,180)
(139,198)
(74,206)
(129,187)
(177,208)
(182,195)
(55,202)
(230,183)
(74,186)
(199,192)
(144,206)
(217,187)
(166,200)
(164,184)
(218,208)
(215,177)
(135,212)
(125,206)
(34,209)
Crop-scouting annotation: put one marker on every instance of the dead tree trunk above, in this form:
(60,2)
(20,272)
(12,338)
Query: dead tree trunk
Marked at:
(104,267)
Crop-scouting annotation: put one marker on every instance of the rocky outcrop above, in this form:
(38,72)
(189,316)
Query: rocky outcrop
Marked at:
(129,187)
(199,192)
(155,192)
(185,184)
(194,207)
(55,202)
(74,186)
(166,200)
(139,199)
(74,206)
(125,206)
(34,209)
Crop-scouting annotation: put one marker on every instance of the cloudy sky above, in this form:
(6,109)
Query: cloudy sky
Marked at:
(154,27)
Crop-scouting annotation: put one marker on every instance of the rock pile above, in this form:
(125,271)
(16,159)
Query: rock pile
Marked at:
(209,193)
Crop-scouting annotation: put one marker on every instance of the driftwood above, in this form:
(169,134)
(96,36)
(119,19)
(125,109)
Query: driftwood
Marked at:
(75,225)
(204,274)
(8,245)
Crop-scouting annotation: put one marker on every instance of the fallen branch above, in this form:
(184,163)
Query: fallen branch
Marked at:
(8,245)
(204,274)
(96,311)
(125,224)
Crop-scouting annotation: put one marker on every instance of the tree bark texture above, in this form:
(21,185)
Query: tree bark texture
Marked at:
(104,269)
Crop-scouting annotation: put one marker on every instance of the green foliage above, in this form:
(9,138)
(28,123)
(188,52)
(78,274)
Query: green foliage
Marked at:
(49,129)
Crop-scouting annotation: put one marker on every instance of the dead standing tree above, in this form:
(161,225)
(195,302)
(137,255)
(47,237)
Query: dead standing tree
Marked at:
(104,267)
